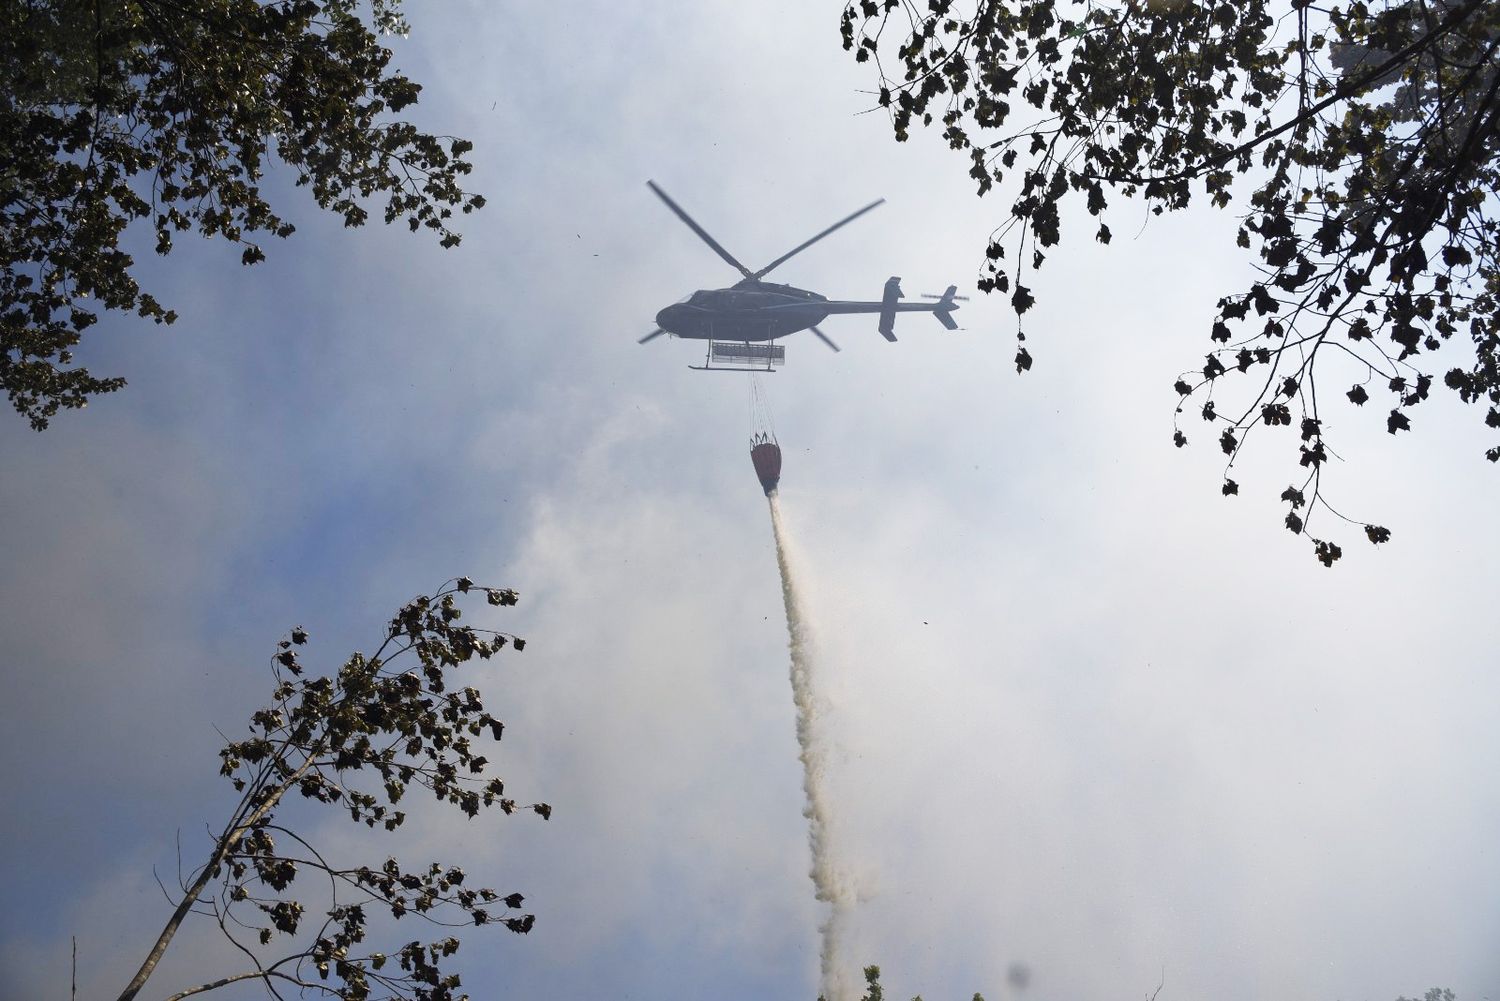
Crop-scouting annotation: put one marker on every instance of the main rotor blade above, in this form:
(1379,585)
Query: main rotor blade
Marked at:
(824,338)
(702,233)
(801,247)
(655,333)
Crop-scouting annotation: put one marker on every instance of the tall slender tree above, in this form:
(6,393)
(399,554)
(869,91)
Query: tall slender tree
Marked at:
(357,741)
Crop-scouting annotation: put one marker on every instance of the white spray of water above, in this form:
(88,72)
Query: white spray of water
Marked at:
(829,883)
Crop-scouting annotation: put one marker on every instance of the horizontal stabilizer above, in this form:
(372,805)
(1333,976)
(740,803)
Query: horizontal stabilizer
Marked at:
(887,325)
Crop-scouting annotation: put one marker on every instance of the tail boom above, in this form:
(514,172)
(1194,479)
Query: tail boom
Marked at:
(890,304)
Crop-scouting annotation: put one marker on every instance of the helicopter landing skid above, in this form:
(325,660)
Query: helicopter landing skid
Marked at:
(731,368)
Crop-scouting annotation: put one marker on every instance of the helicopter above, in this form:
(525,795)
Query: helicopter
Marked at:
(742,322)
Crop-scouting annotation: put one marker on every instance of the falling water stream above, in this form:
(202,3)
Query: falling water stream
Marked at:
(828,882)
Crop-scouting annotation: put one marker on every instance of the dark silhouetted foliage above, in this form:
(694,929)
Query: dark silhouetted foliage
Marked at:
(168,113)
(1433,994)
(1365,135)
(875,992)
(357,741)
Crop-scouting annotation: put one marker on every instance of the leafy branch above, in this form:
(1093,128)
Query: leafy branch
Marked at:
(166,113)
(1367,138)
(358,741)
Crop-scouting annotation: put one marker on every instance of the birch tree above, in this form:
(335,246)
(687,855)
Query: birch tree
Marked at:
(360,741)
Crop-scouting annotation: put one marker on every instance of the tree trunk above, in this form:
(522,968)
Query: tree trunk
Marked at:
(190,897)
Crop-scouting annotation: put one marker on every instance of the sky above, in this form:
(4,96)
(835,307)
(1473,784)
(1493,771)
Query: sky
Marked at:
(1087,715)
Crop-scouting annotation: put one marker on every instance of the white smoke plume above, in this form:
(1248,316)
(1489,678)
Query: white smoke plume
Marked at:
(829,882)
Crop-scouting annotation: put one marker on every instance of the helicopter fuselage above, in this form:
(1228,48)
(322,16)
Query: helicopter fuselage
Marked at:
(750,311)
(762,311)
